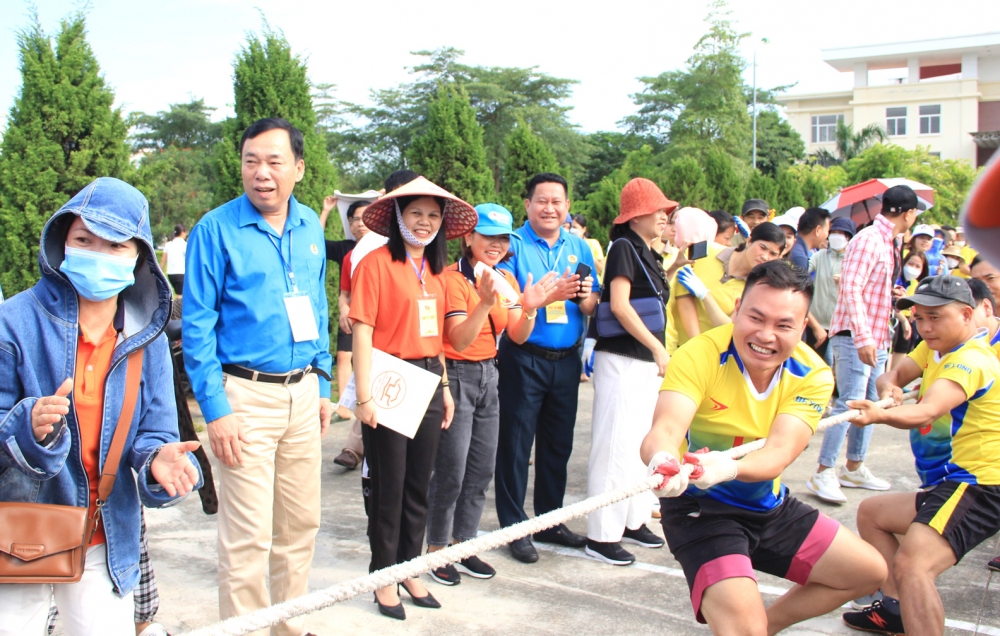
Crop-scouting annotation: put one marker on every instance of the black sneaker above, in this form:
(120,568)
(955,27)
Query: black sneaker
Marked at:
(994,564)
(612,553)
(875,618)
(561,535)
(644,537)
(476,568)
(447,575)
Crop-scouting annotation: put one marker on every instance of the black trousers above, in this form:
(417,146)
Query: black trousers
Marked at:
(538,400)
(400,472)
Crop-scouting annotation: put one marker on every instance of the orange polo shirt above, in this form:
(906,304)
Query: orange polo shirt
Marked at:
(384,295)
(462,299)
(93,361)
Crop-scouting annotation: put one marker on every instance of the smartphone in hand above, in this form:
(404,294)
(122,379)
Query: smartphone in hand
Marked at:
(697,250)
(583,271)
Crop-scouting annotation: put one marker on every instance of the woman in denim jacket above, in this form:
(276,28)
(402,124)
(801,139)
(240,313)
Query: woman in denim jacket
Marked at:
(63,350)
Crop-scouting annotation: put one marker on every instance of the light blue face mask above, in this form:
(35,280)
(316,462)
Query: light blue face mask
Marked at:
(98,276)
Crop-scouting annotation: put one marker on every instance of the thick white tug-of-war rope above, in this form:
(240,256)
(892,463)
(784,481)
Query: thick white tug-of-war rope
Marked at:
(320,599)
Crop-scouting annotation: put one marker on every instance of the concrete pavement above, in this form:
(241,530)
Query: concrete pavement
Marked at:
(564,593)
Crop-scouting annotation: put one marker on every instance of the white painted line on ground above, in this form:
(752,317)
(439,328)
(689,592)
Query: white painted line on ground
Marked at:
(765,589)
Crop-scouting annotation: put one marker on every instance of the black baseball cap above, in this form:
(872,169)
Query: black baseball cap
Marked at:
(898,199)
(755,204)
(937,291)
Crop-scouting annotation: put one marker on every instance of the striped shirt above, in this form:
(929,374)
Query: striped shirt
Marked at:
(864,302)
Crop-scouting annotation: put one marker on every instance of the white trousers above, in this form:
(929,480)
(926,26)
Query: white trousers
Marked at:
(625,393)
(89,606)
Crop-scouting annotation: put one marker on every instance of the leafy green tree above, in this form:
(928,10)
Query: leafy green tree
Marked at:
(778,144)
(762,186)
(184,126)
(704,104)
(850,144)
(788,192)
(818,183)
(177,184)
(527,155)
(450,153)
(499,95)
(724,183)
(62,133)
(269,81)
(685,183)
(607,150)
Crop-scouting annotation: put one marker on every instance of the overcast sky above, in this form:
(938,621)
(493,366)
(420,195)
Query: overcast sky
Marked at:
(157,52)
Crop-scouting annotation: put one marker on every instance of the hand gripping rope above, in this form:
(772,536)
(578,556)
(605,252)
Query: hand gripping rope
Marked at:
(320,599)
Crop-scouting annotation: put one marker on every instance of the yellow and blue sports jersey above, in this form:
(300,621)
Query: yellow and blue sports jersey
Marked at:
(963,444)
(731,412)
(995,342)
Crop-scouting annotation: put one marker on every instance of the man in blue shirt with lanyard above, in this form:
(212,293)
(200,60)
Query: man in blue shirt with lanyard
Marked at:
(257,350)
(540,379)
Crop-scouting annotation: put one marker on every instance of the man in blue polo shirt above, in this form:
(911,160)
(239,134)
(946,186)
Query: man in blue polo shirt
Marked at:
(540,379)
(813,230)
(255,333)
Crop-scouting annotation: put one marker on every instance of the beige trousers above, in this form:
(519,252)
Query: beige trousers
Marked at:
(269,508)
(354,441)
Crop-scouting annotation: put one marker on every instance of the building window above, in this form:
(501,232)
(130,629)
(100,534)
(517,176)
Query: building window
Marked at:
(930,120)
(895,121)
(824,128)
(935,154)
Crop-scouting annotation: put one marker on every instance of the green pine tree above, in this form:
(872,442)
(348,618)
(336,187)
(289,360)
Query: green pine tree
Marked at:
(788,193)
(451,153)
(723,181)
(761,186)
(269,81)
(61,134)
(685,183)
(527,155)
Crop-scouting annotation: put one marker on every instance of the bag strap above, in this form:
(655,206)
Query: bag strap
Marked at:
(641,265)
(133,376)
(465,267)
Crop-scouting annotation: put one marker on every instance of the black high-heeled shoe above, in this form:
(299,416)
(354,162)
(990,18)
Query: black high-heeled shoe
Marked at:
(392,611)
(421,601)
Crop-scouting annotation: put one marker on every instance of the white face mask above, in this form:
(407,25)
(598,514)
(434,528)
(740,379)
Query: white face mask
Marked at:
(959,243)
(577,231)
(911,273)
(838,242)
(952,263)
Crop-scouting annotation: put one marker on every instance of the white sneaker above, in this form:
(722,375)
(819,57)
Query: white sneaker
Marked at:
(861,478)
(823,484)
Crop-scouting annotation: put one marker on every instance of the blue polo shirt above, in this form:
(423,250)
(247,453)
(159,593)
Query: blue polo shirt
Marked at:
(534,255)
(800,254)
(234,309)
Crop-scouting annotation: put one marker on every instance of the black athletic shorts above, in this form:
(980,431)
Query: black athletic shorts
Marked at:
(345,341)
(964,514)
(714,541)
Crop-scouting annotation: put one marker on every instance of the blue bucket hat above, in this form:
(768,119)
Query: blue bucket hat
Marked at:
(494,219)
(845,225)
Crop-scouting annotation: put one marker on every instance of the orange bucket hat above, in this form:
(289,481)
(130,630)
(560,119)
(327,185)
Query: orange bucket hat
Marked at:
(641,197)
(460,218)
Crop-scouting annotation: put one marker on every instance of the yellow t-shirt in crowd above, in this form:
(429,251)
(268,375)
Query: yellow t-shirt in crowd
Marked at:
(731,412)
(724,289)
(964,444)
(967,255)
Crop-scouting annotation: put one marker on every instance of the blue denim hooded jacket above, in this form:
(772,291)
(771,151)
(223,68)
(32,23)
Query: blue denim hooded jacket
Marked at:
(38,341)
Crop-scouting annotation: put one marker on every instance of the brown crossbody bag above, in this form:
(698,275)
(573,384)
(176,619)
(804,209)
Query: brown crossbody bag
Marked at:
(47,543)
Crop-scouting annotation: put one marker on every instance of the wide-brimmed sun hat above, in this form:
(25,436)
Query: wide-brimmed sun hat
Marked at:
(641,197)
(459,217)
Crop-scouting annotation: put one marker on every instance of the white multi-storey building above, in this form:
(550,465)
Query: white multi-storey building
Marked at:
(948,98)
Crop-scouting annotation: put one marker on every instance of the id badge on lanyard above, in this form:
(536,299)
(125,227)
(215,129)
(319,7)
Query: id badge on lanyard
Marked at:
(427,316)
(298,305)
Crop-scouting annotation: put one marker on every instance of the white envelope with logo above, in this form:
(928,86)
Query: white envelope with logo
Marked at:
(401,392)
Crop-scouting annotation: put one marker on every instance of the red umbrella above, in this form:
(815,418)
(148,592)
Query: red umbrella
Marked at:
(862,202)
